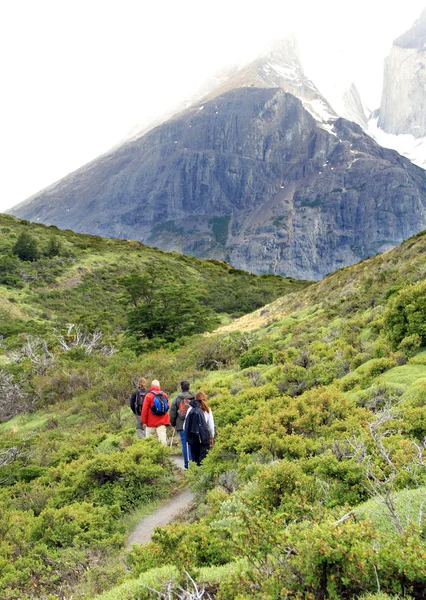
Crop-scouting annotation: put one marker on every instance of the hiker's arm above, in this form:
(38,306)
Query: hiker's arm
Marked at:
(145,408)
(132,402)
(210,423)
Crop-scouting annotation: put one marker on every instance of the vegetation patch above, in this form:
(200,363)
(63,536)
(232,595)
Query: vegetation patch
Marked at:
(220,227)
(314,487)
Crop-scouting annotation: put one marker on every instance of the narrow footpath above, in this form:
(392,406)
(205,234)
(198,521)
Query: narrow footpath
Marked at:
(163,515)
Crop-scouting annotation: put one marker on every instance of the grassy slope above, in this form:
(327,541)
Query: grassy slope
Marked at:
(349,299)
(83,285)
(335,322)
(371,278)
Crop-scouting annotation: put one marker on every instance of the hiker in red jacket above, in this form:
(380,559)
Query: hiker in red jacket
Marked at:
(155,415)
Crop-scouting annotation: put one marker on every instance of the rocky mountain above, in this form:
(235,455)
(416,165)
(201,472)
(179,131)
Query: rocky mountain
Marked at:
(261,173)
(403,105)
(400,122)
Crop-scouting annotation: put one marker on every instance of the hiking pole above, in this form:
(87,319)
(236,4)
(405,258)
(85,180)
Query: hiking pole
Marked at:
(173,437)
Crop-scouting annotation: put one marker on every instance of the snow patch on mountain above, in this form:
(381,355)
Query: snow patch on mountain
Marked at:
(406,144)
(320,110)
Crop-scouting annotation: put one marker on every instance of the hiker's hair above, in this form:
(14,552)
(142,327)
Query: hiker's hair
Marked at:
(142,382)
(202,399)
(155,383)
(184,385)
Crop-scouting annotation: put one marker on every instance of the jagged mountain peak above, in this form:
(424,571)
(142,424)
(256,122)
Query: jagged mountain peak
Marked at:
(403,105)
(280,67)
(415,37)
(260,172)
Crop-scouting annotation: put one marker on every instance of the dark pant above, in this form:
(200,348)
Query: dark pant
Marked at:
(198,451)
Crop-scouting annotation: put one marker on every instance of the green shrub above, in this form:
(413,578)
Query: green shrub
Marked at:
(406,314)
(79,525)
(255,356)
(137,474)
(182,544)
(9,270)
(410,344)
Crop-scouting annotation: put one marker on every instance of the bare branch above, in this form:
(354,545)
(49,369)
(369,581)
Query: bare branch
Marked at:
(14,400)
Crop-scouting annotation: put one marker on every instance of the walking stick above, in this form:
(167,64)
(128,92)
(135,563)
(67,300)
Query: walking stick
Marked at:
(173,437)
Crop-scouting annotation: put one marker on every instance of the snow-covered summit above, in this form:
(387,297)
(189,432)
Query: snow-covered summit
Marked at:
(280,67)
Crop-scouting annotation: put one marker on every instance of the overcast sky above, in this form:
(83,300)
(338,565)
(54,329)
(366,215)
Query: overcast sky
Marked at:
(77,75)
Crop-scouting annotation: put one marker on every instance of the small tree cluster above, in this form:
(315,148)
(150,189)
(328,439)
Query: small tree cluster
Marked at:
(26,247)
(164,311)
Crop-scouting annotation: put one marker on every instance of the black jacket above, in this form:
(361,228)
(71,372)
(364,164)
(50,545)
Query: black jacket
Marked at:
(175,419)
(133,399)
(195,425)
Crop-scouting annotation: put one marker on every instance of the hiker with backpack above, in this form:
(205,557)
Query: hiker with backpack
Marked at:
(155,412)
(178,410)
(136,403)
(199,428)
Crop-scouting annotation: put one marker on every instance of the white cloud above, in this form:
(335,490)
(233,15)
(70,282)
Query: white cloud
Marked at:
(77,75)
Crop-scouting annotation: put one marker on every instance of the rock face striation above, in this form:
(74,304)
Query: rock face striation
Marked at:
(261,173)
(403,105)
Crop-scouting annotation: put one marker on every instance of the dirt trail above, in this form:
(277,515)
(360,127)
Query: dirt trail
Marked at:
(161,516)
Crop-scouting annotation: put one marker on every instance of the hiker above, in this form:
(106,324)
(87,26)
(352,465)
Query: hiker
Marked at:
(136,403)
(155,412)
(178,410)
(199,428)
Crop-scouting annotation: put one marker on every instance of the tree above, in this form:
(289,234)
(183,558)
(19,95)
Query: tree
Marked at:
(169,312)
(26,247)
(140,287)
(54,247)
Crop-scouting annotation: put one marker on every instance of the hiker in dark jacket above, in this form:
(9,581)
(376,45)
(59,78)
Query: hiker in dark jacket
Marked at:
(136,403)
(178,411)
(199,435)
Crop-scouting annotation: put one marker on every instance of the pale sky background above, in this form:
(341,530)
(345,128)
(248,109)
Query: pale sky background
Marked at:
(76,76)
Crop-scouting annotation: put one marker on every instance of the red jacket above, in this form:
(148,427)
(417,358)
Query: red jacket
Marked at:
(147,417)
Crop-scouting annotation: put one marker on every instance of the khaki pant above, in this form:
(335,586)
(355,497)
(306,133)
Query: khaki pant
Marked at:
(161,433)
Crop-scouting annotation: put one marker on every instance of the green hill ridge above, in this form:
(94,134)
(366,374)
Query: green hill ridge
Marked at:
(315,487)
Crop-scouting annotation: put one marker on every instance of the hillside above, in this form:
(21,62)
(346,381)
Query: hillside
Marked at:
(86,281)
(315,487)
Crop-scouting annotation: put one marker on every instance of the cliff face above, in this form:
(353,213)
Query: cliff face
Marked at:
(251,177)
(403,105)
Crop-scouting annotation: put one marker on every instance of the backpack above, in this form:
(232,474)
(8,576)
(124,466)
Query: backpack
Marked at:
(183,407)
(140,397)
(160,406)
(196,427)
